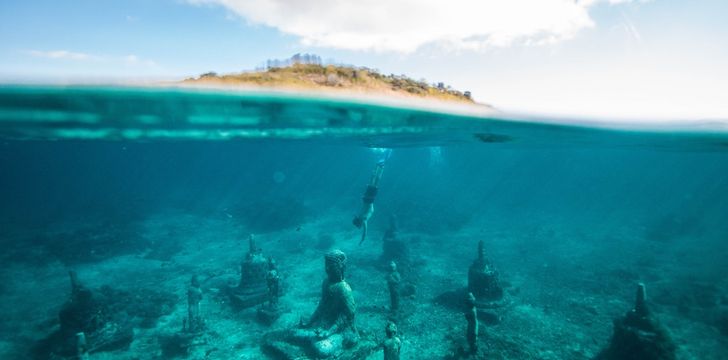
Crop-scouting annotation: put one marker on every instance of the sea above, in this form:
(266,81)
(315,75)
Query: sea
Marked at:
(113,198)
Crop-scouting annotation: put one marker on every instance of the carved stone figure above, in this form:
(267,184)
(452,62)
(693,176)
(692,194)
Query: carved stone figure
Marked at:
(471,315)
(392,344)
(393,281)
(639,335)
(269,312)
(331,330)
(484,281)
(194,296)
(253,287)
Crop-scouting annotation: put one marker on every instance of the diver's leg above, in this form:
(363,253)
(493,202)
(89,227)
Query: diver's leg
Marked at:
(363,232)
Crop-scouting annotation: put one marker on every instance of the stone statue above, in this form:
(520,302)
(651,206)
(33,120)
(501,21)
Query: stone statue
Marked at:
(273,281)
(471,315)
(331,330)
(269,312)
(393,280)
(484,280)
(392,344)
(253,287)
(639,335)
(194,296)
(88,324)
(336,309)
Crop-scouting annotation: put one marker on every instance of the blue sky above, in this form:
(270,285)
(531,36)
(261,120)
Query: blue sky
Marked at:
(656,59)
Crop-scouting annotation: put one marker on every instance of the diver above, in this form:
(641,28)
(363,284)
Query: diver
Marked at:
(367,208)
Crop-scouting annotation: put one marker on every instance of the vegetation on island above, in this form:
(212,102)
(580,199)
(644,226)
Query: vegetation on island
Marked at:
(316,76)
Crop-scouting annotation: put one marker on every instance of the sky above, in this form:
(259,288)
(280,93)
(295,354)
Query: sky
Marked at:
(605,59)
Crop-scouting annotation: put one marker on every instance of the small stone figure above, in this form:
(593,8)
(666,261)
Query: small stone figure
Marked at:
(273,281)
(269,312)
(331,330)
(253,287)
(393,280)
(194,296)
(392,344)
(639,335)
(471,315)
(484,281)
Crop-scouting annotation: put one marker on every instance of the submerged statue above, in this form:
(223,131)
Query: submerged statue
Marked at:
(331,330)
(392,344)
(393,280)
(194,296)
(484,281)
(253,287)
(88,324)
(639,335)
(193,326)
(471,315)
(269,312)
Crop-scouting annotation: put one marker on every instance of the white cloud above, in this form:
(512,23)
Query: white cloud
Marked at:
(61,54)
(406,25)
(131,60)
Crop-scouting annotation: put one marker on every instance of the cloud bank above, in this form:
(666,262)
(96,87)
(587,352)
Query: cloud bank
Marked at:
(80,56)
(407,25)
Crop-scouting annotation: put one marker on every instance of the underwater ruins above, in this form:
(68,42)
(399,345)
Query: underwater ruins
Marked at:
(326,248)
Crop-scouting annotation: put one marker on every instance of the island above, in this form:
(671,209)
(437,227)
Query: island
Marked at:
(307,73)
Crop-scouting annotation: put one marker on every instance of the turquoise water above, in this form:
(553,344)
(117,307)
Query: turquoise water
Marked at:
(139,189)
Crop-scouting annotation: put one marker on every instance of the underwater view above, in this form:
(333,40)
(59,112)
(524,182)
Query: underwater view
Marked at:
(164,223)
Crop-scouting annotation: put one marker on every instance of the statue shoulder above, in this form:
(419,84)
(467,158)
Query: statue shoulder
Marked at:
(341,287)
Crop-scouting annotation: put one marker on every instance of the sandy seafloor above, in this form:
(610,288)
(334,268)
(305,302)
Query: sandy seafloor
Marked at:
(561,308)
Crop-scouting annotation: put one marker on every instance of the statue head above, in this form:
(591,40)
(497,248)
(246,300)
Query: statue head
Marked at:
(335,262)
(391,329)
(392,266)
(195,281)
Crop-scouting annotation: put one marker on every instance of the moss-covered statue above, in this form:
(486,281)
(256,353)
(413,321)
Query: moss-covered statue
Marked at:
(484,281)
(88,324)
(270,311)
(392,345)
(393,281)
(252,289)
(638,335)
(331,330)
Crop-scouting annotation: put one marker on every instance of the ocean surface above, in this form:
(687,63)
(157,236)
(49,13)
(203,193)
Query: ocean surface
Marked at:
(136,190)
